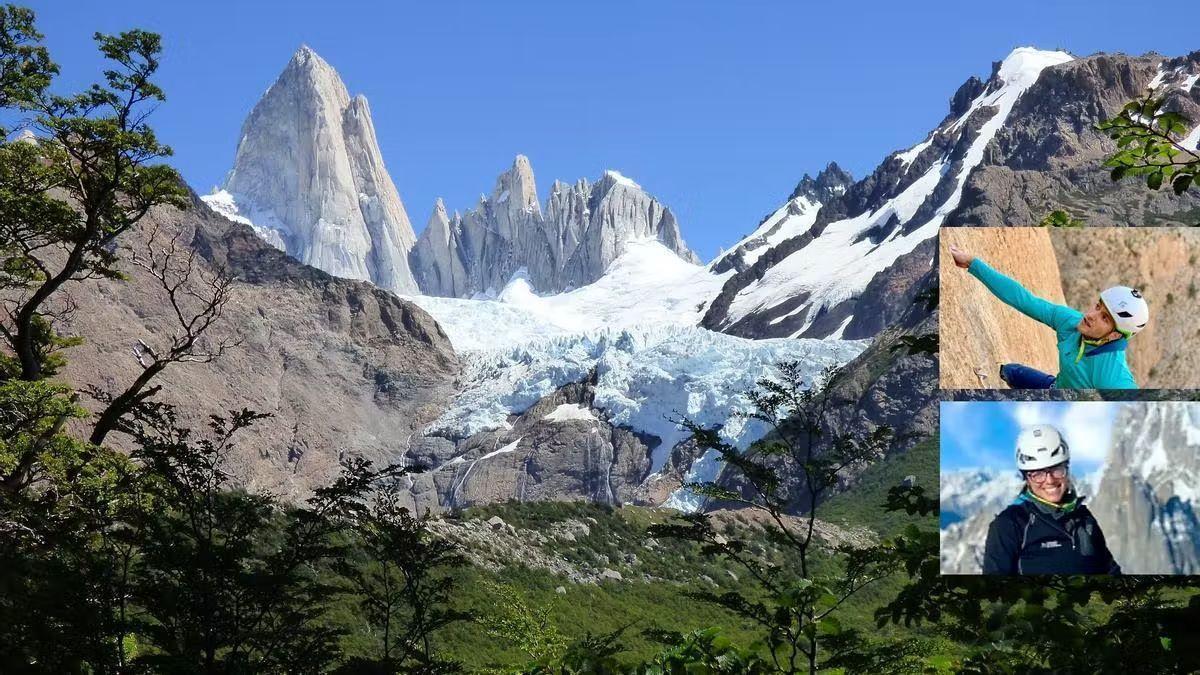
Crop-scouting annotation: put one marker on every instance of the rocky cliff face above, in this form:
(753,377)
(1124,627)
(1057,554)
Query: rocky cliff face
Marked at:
(978,331)
(1162,264)
(344,368)
(562,448)
(309,176)
(582,230)
(1148,500)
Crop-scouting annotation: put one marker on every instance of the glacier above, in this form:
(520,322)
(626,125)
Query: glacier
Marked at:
(636,328)
(647,377)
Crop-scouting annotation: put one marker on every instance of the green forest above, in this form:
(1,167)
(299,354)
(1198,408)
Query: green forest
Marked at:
(127,547)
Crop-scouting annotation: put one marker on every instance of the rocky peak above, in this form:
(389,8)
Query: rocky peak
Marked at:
(439,222)
(1049,148)
(517,186)
(308,174)
(830,182)
(968,92)
(1147,497)
(308,78)
(875,229)
(305,59)
(613,179)
(435,257)
(584,227)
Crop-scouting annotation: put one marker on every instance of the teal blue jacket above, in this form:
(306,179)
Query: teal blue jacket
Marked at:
(1102,367)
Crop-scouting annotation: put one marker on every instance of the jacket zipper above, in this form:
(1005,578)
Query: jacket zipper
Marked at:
(1056,526)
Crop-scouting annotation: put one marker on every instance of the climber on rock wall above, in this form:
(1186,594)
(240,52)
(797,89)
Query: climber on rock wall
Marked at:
(1091,345)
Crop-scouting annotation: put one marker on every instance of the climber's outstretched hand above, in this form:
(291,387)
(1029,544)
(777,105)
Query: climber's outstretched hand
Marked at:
(961,257)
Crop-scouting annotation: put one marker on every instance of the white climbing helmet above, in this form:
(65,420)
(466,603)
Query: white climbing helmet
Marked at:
(1040,446)
(1129,310)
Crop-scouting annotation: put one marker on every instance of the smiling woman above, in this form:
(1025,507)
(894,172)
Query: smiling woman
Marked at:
(1065,487)
(1047,530)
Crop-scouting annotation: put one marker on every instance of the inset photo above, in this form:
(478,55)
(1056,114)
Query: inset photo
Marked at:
(1094,487)
(1068,308)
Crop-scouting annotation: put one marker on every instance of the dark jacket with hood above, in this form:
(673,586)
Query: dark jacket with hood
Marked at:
(1033,537)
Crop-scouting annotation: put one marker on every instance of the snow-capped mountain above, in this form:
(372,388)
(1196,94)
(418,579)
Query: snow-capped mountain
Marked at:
(967,492)
(648,285)
(1179,77)
(811,284)
(591,299)
(309,177)
(1049,154)
(791,219)
(571,243)
(595,286)
(1148,499)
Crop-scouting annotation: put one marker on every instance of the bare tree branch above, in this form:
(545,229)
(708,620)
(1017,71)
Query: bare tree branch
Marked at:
(197,300)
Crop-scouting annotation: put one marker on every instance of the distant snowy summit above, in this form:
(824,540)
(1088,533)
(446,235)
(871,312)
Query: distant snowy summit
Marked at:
(838,259)
(792,219)
(570,243)
(309,177)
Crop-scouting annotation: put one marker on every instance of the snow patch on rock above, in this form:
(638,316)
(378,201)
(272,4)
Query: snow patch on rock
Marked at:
(571,411)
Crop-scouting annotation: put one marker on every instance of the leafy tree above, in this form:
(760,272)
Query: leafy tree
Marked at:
(512,619)
(797,608)
(66,195)
(1059,218)
(25,65)
(1150,143)
(67,507)
(703,651)
(399,574)
(591,655)
(66,550)
(86,179)
(230,581)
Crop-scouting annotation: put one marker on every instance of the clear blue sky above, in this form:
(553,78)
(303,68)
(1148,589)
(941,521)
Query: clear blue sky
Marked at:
(983,434)
(716,108)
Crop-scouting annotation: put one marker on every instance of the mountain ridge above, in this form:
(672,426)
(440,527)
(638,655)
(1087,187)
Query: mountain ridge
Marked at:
(569,243)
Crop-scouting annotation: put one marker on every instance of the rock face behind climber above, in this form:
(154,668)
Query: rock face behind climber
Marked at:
(1091,345)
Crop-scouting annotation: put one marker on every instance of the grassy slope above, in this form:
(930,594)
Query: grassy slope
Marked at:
(862,504)
(663,602)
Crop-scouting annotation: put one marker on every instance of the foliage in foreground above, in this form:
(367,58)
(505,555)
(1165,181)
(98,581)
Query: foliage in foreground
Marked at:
(1150,144)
